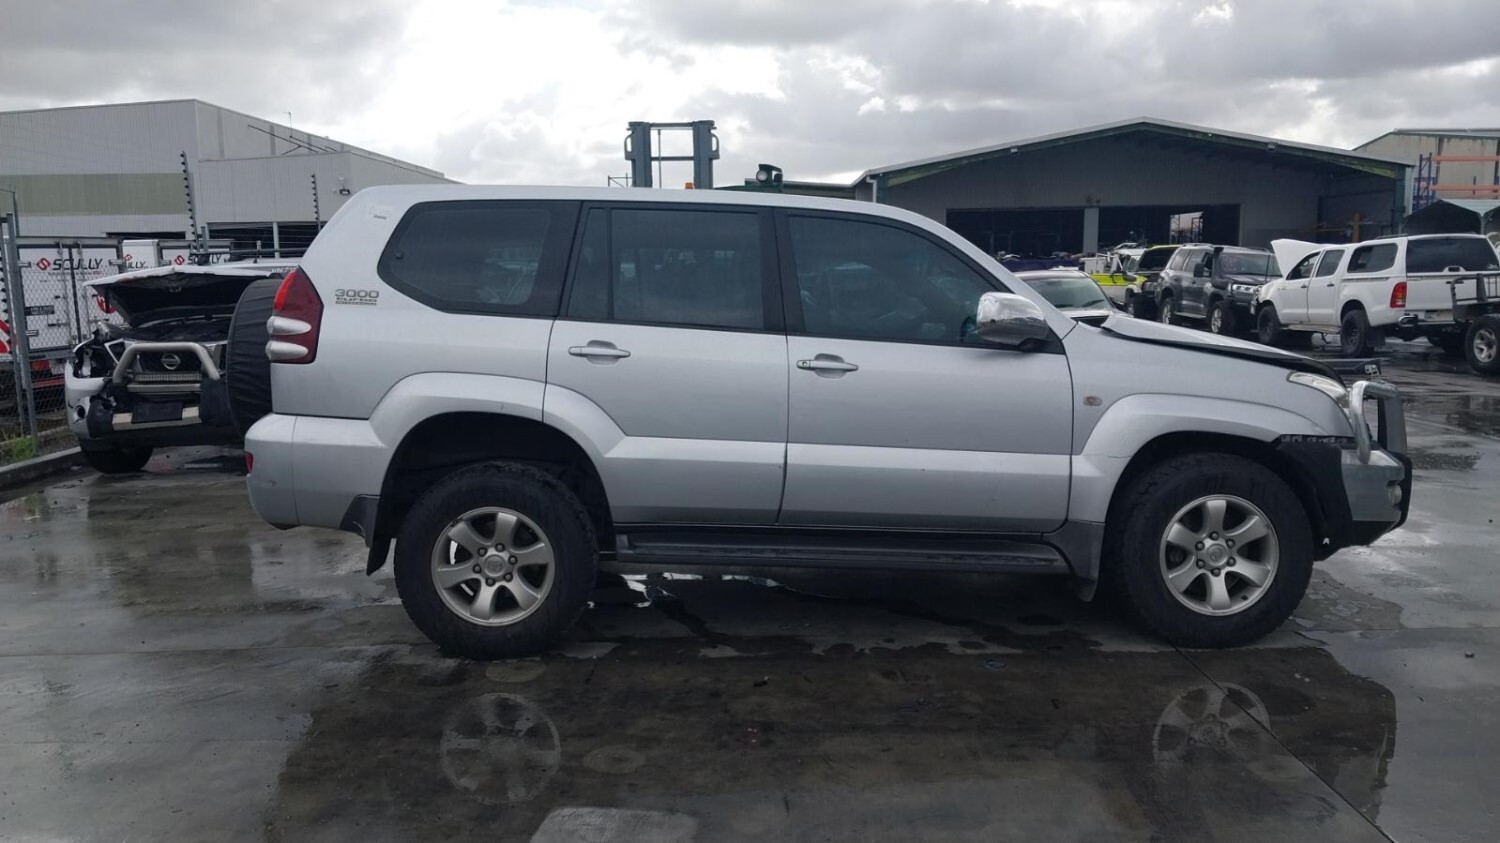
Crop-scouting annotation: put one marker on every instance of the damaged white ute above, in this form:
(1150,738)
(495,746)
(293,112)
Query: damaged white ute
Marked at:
(159,378)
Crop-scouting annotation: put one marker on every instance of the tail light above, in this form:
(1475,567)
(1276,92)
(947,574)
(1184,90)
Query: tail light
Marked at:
(103,304)
(249,462)
(1398,295)
(297,315)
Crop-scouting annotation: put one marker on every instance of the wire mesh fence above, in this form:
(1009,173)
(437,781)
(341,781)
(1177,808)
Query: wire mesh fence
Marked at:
(46,309)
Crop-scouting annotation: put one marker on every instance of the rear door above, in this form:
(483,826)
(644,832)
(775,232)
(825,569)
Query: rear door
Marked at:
(1322,288)
(900,417)
(670,354)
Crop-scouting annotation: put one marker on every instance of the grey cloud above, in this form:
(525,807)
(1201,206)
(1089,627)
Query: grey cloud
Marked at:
(263,57)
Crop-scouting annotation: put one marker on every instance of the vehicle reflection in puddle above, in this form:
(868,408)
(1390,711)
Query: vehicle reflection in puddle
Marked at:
(886,745)
(499,748)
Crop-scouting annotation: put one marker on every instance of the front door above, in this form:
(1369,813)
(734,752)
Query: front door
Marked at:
(1293,305)
(1322,289)
(900,417)
(670,353)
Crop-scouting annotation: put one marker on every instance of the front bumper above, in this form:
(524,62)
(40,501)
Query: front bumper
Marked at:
(1362,487)
(116,407)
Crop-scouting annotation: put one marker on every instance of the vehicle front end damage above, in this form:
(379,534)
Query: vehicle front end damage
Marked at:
(159,379)
(139,392)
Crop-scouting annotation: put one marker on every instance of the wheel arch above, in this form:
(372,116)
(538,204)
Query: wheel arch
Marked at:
(1349,306)
(446,442)
(1170,445)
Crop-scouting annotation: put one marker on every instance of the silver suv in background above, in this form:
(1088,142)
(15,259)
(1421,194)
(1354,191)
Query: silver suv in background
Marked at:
(520,386)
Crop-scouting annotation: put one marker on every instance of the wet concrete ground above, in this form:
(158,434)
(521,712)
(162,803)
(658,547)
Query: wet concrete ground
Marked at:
(170,668)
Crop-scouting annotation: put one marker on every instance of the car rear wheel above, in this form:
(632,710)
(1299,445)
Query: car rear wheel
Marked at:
(117,460)
(495,561)
(1208,550)
(247,369)
(1482,345)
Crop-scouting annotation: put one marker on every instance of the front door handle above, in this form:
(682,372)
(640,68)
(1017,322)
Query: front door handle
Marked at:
(827,365)
(598,351)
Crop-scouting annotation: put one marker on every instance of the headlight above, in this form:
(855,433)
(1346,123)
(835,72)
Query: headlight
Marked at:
(1328,386)
(1244,289)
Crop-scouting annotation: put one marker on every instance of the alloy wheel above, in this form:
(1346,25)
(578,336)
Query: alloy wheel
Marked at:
(1219,554)
(493,566)
(1486,344)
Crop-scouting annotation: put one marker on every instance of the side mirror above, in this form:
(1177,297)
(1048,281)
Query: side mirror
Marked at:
(1200,271)
(1011,321)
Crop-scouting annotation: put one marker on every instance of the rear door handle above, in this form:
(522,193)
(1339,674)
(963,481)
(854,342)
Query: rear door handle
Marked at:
(827,365)
(598,351)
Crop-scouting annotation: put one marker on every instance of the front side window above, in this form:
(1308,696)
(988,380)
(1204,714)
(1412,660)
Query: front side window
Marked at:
(869,280)
(501,257)
(671,267)
(1330,262)
(1304,267)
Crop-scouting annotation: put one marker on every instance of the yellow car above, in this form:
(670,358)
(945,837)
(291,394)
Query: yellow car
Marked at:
(1129,276)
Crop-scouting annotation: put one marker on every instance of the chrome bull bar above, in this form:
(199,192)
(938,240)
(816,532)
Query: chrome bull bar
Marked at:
(1390,418)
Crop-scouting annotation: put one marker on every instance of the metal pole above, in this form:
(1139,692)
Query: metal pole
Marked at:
(20,351)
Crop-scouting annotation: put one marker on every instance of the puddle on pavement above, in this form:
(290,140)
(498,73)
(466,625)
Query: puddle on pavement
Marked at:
(886,745)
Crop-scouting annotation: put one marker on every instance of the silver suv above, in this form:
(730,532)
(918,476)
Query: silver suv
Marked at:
(522,386)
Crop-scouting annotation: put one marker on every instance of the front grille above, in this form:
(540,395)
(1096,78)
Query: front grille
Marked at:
(169,362)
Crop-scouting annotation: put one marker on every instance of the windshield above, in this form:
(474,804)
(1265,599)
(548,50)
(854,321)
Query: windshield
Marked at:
(1249,263)
(1154,260)
(1069,292)
(1435,254)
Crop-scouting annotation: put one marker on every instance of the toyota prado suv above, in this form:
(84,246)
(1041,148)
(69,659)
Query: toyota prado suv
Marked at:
(519,387)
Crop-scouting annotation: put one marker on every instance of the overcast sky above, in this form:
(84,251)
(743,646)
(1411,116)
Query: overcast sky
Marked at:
(540,92)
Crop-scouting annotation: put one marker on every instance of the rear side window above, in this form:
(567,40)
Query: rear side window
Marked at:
(1373,258)
(1330,263)
(671,267)
(488,257)
(1472,254)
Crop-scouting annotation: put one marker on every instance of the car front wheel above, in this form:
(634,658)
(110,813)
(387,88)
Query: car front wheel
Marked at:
(1221,319)
(1208,550)
(1166,312)
(495,561)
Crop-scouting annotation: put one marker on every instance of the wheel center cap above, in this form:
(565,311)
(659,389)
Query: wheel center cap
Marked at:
(494,564)
(1217,554)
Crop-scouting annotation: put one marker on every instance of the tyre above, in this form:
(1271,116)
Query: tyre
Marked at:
(1482,345)
(1268,329)
(1208,550)
(1166,311)
(495,561)
(1141,307)
(247,370)
(1356,337)
(1452,343)
(1222,319)
(117,460)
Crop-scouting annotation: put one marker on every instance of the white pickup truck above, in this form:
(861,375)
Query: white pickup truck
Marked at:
(1445,287)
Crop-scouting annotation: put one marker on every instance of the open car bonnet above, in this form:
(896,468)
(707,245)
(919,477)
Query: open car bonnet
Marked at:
(1290,252)
(1141,330)
(144,296)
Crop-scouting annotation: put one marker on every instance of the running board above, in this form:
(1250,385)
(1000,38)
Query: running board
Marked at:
(835,549)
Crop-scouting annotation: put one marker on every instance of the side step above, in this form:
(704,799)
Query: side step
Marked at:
(838,549)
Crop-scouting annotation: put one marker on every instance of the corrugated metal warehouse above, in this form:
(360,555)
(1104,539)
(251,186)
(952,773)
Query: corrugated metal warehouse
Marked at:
(1088,189)
(118,170)
(1462,164)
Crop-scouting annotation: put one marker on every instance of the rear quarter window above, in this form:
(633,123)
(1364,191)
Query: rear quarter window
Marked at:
(1373,258)
(500,257)
(1436,254)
